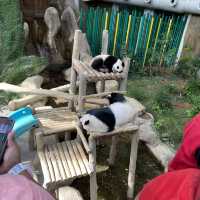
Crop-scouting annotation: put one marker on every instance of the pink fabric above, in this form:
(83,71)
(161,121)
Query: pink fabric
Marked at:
(21,188)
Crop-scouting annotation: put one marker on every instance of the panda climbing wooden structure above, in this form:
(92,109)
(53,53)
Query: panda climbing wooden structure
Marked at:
(107,63)
(106,119)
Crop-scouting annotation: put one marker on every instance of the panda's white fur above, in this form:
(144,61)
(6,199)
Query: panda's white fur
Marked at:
(123,112)
(120,110)
(107,63)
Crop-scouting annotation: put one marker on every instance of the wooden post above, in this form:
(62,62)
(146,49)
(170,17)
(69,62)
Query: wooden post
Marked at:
(104,48)
(30,99)
(123,82)
(75,55)
(82,91)
(92,162)
(132,165)
(102,86)
(113,150)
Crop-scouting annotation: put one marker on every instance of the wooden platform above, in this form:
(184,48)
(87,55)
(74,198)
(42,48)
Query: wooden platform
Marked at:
(56,120)
(93,75)
(63,161)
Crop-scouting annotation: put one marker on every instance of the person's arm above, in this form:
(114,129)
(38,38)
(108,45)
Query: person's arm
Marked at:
(12,158)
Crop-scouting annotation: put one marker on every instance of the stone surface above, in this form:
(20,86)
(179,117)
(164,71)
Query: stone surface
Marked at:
(192,36)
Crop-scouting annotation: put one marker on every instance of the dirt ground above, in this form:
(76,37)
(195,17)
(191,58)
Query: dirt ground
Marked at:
(112,184)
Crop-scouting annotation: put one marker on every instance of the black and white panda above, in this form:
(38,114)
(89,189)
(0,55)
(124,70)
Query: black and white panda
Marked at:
(106,119)
(107,63)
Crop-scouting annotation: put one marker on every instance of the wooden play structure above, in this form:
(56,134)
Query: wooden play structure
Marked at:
(62,162)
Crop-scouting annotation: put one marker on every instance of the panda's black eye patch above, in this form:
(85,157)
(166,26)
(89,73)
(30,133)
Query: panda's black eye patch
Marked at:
(123,64)
(86,122)
(117,67)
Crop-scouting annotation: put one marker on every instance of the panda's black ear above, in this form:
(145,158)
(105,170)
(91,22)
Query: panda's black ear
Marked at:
(197,156)
(87,122)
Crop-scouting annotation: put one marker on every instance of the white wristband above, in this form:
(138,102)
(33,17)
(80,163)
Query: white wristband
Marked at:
(20,167)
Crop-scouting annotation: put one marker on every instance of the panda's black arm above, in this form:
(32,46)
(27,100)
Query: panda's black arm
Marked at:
(197,156)
(97,63)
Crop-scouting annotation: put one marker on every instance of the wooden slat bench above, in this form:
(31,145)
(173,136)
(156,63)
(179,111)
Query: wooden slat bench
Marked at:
(56,120)
(62,162)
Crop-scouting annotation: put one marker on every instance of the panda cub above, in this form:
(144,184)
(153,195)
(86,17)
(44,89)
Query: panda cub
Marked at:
(107,63)
(106,119)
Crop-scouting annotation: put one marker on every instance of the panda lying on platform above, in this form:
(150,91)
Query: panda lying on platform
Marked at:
(106,119)
(107,63)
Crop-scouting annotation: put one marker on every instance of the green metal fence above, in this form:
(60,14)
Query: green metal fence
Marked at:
(143,36)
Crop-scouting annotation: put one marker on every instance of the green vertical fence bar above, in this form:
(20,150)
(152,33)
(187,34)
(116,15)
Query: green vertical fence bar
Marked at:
(163,42)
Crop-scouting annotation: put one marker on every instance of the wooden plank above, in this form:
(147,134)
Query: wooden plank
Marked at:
(132,165)
(17,89)
(45,169)
(73,158)
(129,128)
(63,159)
(57,117)
(58,110)
(84,158)
(51,122)
(68,159)
(89,70)
(59,162)
(92,162)
(102,94)
(83,139)
(54,164)
(17,103)
(104,45)
(51,114)
(57,131)
(55,110)
(50,166)
(79,158)
(58,126)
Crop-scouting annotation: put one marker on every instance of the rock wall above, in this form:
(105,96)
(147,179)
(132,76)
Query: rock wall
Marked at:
(192,38)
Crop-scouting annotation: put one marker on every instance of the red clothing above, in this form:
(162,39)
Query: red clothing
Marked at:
(176,185)
(184,157)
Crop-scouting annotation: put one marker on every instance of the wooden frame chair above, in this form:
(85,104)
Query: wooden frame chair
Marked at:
(87,74)
(131,129)
(63,161)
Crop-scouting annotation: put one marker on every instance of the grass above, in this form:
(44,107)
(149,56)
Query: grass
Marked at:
(164,98)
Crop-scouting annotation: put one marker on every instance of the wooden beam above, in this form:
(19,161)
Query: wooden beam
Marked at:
(17,89)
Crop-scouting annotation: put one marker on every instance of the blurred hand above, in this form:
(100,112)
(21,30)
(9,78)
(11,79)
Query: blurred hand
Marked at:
(11,156)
